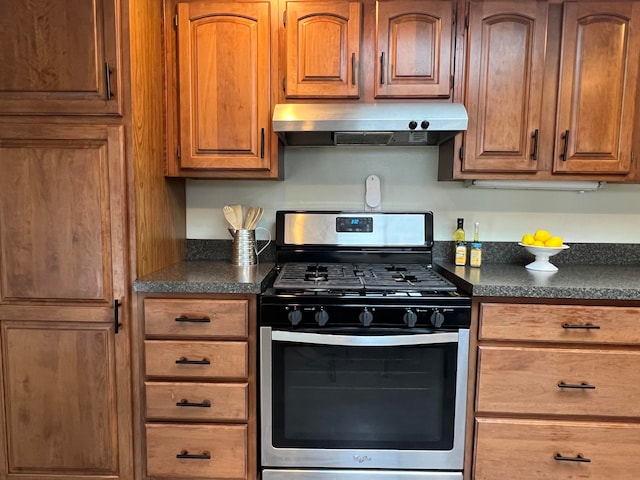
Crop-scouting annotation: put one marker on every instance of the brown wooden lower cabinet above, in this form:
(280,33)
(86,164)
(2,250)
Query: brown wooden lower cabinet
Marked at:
(556,450)
(556,393)
(197,376)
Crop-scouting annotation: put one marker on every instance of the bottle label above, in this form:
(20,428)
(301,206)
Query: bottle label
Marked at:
(461,255)
(475,258)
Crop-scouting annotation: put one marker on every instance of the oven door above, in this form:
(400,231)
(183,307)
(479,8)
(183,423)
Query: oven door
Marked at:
(363,400)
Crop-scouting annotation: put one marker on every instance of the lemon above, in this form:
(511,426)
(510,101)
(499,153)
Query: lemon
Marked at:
(553,242)
(538,243)
(528,239)
(542,236)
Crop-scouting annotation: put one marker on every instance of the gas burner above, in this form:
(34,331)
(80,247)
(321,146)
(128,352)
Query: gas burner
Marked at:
(316,277)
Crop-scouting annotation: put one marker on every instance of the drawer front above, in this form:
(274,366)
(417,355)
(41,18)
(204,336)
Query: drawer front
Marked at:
(195,317)
(560,323)
(190,359)
(226,447)
(539,381)
(527,450)
(197,401)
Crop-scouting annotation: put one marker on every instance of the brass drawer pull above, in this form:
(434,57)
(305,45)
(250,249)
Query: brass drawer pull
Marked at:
(194,456)
(184,318)
(186,361)
(578,458)
(583,385)
(186,403)
(588,326)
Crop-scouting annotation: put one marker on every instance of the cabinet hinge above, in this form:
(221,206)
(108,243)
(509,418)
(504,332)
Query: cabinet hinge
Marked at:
(284,84)
(178,151)
(466,21)
(284,19)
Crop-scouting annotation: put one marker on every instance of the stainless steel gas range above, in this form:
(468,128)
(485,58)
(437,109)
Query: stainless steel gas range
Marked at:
(363,352)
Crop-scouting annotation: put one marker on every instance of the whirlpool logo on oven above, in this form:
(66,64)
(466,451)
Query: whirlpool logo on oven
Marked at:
(362,458)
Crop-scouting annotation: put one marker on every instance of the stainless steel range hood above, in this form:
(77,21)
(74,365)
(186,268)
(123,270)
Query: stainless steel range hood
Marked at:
(392,124)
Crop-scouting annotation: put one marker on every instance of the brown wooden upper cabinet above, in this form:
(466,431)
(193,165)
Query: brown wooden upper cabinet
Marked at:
(529,116)
(60,57)
(220,117)
(332,53)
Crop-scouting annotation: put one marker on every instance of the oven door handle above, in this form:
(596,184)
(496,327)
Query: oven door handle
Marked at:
(364,340)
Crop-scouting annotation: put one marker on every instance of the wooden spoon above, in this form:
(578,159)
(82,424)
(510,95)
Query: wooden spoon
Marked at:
(230,216)
(237,209)
(248,219)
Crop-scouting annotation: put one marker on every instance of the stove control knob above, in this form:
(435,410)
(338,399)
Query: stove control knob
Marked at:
(437,318)
(410,318)
(322,317)
(366,317)
(294,316)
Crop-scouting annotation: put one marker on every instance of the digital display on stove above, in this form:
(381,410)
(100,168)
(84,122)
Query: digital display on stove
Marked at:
(354,224)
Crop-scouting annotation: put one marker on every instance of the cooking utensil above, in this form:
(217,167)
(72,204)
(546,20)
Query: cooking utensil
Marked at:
(237,209)
(230,216)
(254,214)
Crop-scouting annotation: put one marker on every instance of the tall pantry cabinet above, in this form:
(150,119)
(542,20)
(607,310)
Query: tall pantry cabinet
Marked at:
(84,209)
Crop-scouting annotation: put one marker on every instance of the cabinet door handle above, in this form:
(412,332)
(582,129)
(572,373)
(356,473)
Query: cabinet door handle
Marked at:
(565,150)
(578,458)
(116,316)
(184,318)
(353,68)
(382,68)
(262,142)
(186,403)
(107,77)
(588,326)
(186,361)
(194,456)
(581,386)
(534,154)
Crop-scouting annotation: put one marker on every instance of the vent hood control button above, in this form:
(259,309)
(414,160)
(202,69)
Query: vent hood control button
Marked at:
(424,125)
(413,124)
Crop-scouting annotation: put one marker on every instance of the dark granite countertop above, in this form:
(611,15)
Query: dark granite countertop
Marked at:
(596,282)
(206,277)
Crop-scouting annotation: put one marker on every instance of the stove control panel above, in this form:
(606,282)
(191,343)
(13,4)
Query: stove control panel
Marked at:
(375,316)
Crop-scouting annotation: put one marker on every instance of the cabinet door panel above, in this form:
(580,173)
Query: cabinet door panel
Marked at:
(62,411)
(54,56)
(598,78)
(525,449)
(414,48)
(323,49)
(223,71)
(61,213)
(504,90)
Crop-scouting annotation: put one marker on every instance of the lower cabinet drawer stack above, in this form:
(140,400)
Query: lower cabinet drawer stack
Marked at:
(197,388)
(558,393)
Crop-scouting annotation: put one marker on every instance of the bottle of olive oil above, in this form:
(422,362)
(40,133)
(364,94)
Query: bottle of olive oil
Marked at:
(461,246)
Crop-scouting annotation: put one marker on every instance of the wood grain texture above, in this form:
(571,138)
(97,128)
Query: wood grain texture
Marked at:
(525,449)
(53,57)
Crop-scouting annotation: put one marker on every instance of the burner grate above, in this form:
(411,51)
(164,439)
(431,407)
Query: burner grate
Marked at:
(366,276)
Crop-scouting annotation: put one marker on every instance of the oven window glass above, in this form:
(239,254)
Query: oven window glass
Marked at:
(400,397)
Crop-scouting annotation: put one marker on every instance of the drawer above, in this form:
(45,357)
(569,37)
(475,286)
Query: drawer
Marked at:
(189,359)
(195,317)
(197,401)
(559,323)
(225,445)
(526,380)
(526,450)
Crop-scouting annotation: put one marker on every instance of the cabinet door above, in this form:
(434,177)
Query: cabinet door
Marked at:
(598,84)
(414,41)
(224,96)
(59,57)
(506,53)
(323,49)
(67,412)
(62,232)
